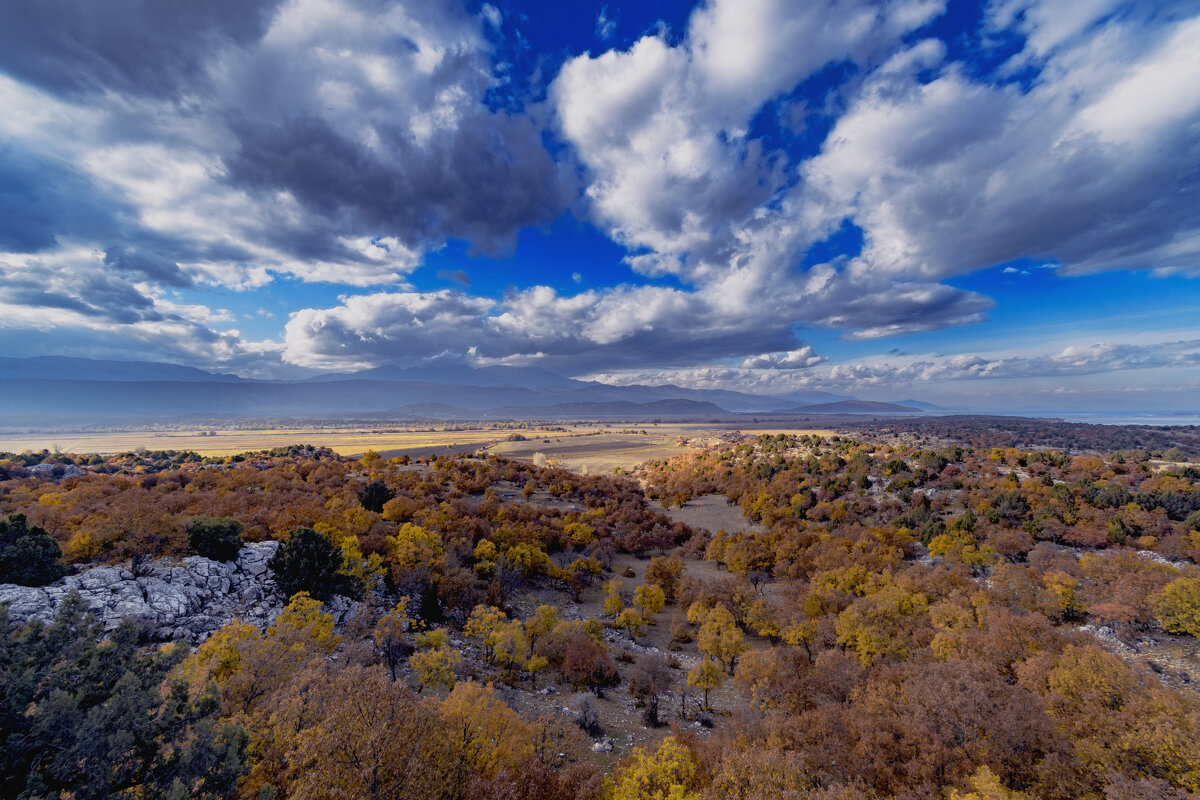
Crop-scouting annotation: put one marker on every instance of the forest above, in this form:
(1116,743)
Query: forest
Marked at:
(898,617)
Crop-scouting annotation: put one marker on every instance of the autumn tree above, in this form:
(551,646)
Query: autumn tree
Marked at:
(435,667)
(389,635)
(483,735)
(509,646)
(416,552)
(664,774)
(371,739)
(986,786)
(719,637)
(706,676)
(881,625)
(249,666)
(666,573)
(630,620)
(614,603)
(482,624)
(1178,606)
(586,663)
(649,600)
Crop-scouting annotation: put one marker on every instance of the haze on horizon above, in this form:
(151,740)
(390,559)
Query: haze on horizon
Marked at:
(990,204)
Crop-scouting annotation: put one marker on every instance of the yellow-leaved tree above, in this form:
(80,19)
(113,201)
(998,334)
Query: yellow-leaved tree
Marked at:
(720,638)
(1178,606)
(435,667)
(371,739)
(664,774)
(247,666)
(483,734)
(706,676)
(986,786)
(649,600)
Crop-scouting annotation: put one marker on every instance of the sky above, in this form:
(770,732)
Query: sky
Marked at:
(982,204)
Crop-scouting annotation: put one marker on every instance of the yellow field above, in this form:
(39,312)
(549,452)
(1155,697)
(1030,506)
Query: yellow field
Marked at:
(789,431)
(345,442)
(601,453)
(580,447)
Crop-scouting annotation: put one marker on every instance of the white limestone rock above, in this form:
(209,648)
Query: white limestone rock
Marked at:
(188,599)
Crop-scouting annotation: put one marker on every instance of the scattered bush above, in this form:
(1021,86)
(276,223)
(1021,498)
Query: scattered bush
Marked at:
(374,496)
(28,556)
(588,719)
(310,562)
(218,538)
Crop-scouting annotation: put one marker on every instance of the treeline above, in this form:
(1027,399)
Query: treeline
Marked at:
(1174,442)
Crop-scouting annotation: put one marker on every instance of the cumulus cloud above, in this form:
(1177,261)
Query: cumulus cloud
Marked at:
(1083,168)
(394,327)
(341,141)
(664,131)
(593,329)
(69,302)
(944,172)
(249,139)
(801,358)
(123,46)
(931,374)
(227,144)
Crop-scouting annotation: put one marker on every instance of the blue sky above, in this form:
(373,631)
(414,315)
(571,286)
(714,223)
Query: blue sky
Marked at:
(987,204)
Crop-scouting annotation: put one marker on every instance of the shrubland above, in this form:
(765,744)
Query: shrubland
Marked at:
(897,619)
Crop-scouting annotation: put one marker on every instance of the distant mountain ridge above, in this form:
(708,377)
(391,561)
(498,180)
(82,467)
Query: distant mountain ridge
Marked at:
(855,407)
(619,409)
(458,374)
(50,388)
(921,404)
(87,369)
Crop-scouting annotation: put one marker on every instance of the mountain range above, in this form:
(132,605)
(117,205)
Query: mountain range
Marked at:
(59,388)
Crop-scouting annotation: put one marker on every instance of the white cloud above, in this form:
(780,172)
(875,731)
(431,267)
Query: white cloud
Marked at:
(950,176)
(337,141)
(492,15)
(606,26)
(1094,368)
(324,125)
(800,358)
(367,330)
(663,130)
(69,302)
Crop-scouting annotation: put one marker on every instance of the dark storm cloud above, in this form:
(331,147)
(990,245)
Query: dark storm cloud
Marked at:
(232,139)
(147,264)
(144,47)
(91,294)
(482,181)
(42,199)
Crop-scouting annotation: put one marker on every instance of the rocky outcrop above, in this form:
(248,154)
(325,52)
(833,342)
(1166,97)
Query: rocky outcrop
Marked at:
(186,599)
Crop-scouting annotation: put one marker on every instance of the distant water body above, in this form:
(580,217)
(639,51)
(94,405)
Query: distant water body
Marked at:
(1092,417)
(1129,418)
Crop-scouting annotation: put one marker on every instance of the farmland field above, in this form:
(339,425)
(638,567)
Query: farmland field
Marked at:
(228,442)
(576,447)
